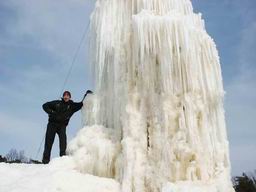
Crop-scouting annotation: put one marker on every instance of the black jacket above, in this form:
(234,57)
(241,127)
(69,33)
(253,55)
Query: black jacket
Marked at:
(60,111)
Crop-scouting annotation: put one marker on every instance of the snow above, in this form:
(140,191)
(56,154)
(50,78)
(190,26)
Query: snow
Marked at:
(58,176)
(156,121)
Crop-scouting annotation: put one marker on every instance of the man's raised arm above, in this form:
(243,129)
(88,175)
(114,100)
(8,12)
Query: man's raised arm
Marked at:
(78,106)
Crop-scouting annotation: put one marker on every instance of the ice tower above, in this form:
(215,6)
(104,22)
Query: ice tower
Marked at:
(156,122)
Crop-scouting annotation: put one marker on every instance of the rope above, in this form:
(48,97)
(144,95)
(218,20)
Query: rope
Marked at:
(39,149)
(68,75)
(74,59)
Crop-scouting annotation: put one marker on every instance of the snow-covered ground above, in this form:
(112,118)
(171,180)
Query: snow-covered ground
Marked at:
(61,176)
(91,166)
(58,176)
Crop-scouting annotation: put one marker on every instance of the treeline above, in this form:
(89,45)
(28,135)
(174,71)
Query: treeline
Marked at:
(15,156)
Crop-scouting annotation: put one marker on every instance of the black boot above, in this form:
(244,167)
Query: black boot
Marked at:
(45,161)
(63,140)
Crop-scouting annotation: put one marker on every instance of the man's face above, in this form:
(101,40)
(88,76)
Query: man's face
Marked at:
(66,97)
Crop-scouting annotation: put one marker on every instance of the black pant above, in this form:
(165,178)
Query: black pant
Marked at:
(51,131)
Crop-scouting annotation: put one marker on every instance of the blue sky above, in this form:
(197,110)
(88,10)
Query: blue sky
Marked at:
(38,40)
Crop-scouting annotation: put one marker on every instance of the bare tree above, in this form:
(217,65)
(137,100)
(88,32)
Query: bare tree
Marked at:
(12,155)
(16,156)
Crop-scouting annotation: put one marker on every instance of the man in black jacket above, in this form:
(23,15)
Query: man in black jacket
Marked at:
(59,112)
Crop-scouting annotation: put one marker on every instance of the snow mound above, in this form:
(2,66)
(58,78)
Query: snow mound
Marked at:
(58,176)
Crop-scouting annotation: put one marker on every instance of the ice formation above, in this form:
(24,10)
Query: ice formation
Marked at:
(156,122)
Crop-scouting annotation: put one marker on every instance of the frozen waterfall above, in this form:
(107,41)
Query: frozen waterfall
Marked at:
(156,122)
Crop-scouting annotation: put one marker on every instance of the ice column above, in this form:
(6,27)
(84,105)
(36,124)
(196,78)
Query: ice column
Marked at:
(159,89)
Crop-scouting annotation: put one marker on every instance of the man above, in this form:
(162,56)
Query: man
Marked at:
(59,112)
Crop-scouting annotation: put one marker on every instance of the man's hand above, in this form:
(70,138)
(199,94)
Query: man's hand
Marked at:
(87,92)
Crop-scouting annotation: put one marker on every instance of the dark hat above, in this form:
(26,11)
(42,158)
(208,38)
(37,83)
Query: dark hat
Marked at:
(66,93)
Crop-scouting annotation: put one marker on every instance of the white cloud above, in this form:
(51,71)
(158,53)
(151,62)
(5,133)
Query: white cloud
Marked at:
(52,25)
